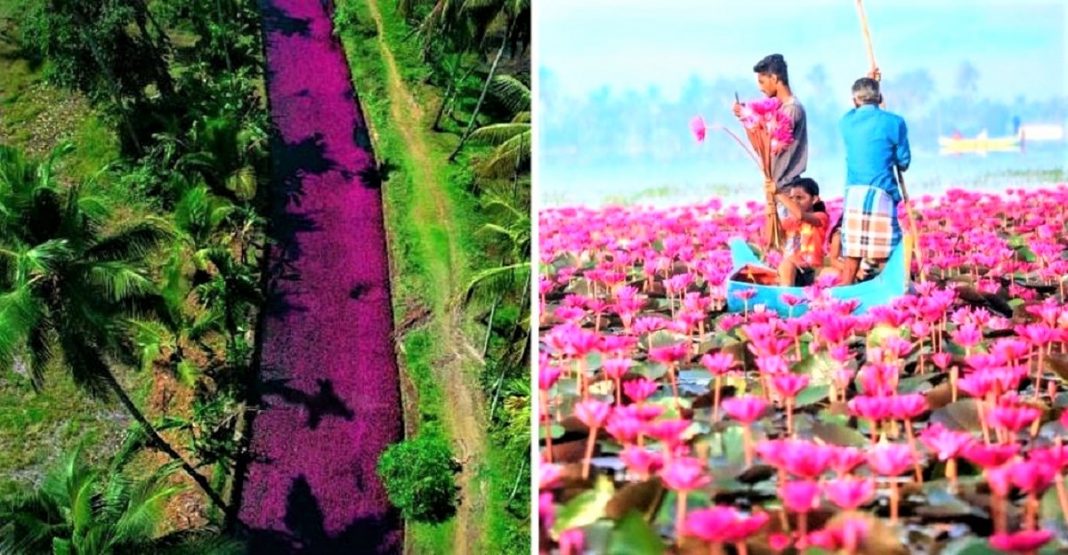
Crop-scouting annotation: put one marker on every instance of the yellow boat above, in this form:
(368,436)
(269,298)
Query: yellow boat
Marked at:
(980,144)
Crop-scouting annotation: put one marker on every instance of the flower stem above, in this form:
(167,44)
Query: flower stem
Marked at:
(747,442)
(951,473)
(893,501)
(590,443)
(915,453)
(680,516)
(715,398)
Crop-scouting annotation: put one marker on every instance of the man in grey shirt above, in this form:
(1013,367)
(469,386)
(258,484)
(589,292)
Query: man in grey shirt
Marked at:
(774,83)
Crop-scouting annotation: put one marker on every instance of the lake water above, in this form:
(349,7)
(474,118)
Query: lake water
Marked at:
(561,181)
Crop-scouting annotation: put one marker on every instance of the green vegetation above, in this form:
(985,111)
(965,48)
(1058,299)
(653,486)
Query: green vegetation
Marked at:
(88,511)
(459,230)
(418,474)
(133,139)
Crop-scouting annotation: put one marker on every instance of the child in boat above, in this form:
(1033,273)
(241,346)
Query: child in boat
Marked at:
(836,259)
(806,230)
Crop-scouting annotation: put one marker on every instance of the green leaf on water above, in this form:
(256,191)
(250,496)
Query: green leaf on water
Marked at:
(653,371)
(819,368)
(593,362)
(811,395)
(880,333)
(633,535)
(961,415)
(557,431)
(586,508)
(838,434)
(913,384)
(662,338)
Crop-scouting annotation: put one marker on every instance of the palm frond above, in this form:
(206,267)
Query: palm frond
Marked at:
(41,260)
(508,158)
(132,242)
(20,312)
(497,281)
(499,133)
(118,280)
(512,92)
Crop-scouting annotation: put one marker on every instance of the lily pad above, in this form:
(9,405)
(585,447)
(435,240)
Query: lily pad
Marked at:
(632,534)
(811,395)
(838,434)
(586,508)
(961,415)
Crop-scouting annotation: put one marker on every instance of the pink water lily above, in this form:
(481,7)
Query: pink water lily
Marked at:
(642,297)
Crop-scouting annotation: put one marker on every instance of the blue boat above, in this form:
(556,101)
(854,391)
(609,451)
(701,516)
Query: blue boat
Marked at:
(891,283)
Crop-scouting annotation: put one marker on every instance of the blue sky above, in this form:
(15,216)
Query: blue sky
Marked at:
(1018,47)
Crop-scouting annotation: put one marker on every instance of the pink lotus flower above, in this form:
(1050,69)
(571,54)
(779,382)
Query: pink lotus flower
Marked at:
(890,459)
(641,461)
(721,524)
(547,377)
(592,413)
(799,496)
(639,390)
(850,493)
(572,542)
(802,458)
(1031,477)
(718,363)
(907,407)
(789,385)
(546,509)
(625,426)
(845,459)
(549,475)
(989,456)
(848,535)
(1024,541)
(870,407)
(697,127)
(669,432)
(616,368)
(945,443)
(1013,418)
(745,409)
(711,524)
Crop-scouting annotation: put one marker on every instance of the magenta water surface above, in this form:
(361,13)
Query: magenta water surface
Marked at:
(328,377)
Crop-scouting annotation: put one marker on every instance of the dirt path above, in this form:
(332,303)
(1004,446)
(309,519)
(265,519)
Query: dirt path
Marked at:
(436,225)
(328,379)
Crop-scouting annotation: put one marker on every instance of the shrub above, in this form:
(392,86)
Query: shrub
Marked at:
(418,475)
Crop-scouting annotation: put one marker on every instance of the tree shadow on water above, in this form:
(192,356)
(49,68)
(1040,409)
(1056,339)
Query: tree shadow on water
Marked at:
(276,20)
(305,532)
(323,403)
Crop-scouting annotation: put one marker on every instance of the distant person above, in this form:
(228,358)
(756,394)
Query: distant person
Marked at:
(806,232)
(774,83)
(876,144)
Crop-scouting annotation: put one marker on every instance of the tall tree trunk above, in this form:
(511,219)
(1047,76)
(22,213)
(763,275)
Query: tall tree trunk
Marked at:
(446,100)
(113,86)
(485,89)
(163,76)
(162,444)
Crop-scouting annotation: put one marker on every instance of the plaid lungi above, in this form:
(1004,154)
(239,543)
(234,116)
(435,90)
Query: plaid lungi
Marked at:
(869,223)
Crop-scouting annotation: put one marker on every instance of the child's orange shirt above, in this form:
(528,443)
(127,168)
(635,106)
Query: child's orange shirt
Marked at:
(806,239)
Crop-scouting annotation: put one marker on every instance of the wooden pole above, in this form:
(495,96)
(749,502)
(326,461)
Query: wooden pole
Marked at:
(900,179)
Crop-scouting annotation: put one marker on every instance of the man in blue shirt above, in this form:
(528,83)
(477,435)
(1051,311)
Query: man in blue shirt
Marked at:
(876,143)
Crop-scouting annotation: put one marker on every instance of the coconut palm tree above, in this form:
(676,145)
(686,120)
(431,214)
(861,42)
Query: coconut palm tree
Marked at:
(78,509)
(509,15)
(512,140)
(71,282)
